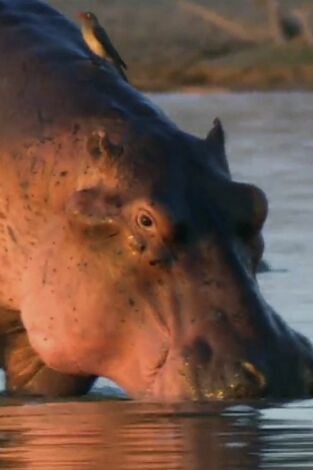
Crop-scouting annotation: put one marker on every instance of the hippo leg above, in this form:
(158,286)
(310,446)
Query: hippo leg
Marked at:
(27,374)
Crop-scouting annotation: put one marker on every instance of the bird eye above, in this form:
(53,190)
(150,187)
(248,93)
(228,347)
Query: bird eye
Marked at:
(145,221)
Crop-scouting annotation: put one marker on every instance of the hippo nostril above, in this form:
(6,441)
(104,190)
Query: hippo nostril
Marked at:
(200,352)
(203,351)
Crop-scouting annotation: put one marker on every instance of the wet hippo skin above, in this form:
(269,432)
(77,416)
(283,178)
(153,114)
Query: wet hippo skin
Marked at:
(127,251)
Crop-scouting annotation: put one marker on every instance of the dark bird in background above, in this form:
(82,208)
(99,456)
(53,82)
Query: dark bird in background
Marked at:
(99,42)
(289,23)
(285,24)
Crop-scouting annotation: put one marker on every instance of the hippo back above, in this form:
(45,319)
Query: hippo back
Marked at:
(49,75)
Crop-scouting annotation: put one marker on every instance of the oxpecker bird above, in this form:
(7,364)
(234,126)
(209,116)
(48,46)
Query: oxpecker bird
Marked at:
(99,42)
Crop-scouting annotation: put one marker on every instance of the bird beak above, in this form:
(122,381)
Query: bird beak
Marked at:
(82,14)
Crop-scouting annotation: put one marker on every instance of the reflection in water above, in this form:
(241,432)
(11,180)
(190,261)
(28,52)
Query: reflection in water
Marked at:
(68,435)
(286,434)
(128,435)
(120,435)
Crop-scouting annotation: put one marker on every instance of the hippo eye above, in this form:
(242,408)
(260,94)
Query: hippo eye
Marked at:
(145,221)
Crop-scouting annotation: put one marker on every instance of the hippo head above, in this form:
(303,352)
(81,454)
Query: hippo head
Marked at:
(147,274)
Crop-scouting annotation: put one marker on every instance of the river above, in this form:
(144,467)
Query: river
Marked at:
(270,143)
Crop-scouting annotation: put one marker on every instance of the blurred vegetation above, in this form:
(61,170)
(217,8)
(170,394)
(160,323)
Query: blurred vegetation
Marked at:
(169,44)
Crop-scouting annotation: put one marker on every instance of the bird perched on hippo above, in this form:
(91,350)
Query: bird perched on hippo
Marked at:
(127,250)
(99,42)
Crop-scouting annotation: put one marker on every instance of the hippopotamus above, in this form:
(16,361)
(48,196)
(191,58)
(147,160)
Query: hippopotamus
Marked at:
(127,250)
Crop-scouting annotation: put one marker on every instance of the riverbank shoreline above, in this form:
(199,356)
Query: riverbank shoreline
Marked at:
(263,69)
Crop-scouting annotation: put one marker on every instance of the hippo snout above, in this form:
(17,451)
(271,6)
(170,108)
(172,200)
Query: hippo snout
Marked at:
(195,373)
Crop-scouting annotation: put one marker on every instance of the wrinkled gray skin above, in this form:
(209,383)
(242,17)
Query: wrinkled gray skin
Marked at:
(126,249)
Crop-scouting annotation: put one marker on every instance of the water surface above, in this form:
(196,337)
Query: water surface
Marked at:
(270,143)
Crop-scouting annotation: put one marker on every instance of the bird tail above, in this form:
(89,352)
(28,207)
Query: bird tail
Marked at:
(122,73)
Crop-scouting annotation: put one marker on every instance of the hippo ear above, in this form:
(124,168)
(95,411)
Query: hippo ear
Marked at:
(216,136)
(215,141)
(88,209)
